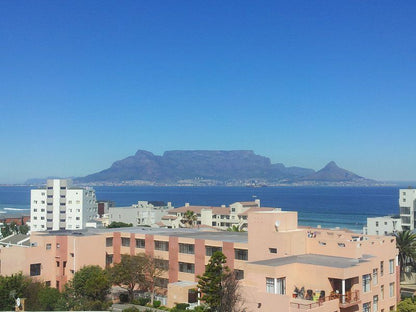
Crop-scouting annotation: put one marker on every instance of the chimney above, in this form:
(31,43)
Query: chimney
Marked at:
(186,204)
(258,202)
(223,206)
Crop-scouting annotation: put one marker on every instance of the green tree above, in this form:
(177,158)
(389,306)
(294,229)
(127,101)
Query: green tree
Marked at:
(219,287)
(154,269)
(189,218)
(210,283)
(406,305)
(6,231)
(23,229)
(115,224)
(406,243)
(87,290)
(48,299)
(235,228)
(12,287)
(129,273)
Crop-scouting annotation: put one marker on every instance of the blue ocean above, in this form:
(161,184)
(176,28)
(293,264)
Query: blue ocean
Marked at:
(329,207)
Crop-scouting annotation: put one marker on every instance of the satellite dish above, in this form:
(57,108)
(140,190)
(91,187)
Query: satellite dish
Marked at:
(277,225)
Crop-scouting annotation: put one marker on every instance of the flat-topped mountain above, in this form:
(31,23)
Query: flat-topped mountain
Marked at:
(238,166)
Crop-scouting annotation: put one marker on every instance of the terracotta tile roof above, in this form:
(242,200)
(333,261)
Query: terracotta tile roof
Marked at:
(254,209)
(221,210)
(183,209)
(249,204)
(169,217)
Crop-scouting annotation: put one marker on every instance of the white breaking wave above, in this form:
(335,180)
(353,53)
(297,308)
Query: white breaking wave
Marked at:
(15,209)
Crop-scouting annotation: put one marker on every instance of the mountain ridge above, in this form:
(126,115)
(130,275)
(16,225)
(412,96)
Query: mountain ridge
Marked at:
(216,167)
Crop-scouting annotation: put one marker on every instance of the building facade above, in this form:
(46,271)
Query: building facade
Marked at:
(61,207)
(147,213)
(386,225)
(221,218)
(280,266)
(407,204)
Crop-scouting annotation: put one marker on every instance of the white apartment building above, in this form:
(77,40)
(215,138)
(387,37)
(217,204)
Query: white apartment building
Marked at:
(61,207)
(146,213)
(386,225)
(407,203)
(221,218)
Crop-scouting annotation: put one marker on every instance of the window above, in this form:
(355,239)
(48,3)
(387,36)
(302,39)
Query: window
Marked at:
(125,241)
(109,242)
(187,248)
(382,292)
(376,223)
(375,303)
(161,245)
(391,266)
(367,307)
(239,274)
(276,285)
(48,246)
(210,250)
(375,276)
(186,267)
(273,250)
(392,289)
(381,268)
(161,282)
(108,259)
(57,264)
(48,283)
(241,254)
(140,243)
(366,282)
(162,264)
(35,269)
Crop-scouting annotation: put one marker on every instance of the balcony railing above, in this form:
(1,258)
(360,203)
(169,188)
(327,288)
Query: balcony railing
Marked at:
(349,299)
(303,304)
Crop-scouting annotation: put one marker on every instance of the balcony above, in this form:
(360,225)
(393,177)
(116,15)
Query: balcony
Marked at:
(297,304)
(351,298)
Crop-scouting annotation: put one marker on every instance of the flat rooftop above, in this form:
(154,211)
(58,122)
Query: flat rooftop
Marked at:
(224,236)
(313,259)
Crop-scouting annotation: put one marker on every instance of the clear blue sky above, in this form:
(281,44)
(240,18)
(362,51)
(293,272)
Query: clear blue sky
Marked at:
(85,83)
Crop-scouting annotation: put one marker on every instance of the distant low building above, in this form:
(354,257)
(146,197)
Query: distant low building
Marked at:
(104,207)
(17,218)
(59,206)
(386,225)
(147,213)
(218,217)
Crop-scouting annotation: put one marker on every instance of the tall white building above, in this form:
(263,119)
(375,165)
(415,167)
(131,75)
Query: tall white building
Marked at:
(61,207)
(386,225)
(407,203)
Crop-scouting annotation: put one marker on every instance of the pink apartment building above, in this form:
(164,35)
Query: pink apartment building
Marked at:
(338,270)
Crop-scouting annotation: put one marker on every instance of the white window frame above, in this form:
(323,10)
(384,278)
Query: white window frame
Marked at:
(276,285)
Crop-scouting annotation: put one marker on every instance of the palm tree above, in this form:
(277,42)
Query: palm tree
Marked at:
(235,228)
(406,243)
(189,218)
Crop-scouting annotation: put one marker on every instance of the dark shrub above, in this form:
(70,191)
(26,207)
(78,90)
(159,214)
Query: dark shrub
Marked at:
(124,297)
(143,301)
(156,304)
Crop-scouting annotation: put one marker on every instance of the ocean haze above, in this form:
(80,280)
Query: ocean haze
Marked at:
(345,207)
